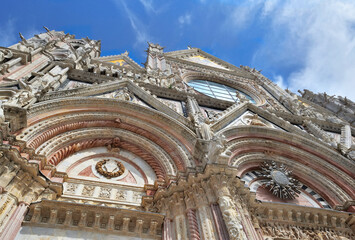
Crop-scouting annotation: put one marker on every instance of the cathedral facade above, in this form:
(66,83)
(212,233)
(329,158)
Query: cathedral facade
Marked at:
(187,146)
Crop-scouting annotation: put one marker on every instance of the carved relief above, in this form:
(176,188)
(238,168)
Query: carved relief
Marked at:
(105,193)
(71,188)
(121,195)
(88,190)
(278,231)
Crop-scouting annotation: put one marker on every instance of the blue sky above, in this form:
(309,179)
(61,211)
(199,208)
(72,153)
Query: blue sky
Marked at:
(298,44)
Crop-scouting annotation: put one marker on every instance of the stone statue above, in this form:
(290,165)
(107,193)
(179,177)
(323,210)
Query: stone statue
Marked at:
(123,94)
(203,128)
(255,121)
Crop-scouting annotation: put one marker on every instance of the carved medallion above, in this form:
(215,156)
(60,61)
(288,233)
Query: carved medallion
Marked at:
(280,183)
(110,168)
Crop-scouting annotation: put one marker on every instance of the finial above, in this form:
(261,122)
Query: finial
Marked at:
(22,38)
(46,29)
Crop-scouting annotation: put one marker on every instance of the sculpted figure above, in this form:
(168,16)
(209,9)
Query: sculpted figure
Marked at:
(255,121)
(203,128)
(123,94)
(231,218)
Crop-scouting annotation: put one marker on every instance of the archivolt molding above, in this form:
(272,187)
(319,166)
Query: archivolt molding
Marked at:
(253,145)
(86,91)
(343,180)
(40,132)
(56,143)
(47,108)
(305,174)
(288,140)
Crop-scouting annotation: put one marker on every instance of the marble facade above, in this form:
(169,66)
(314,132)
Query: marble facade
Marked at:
(98,147)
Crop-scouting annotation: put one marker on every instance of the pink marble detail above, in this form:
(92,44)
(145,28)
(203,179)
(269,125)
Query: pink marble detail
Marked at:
(129,178)
(219,222)
(193,225)
(263,194)
(87,172)
(167,230)
(14,224)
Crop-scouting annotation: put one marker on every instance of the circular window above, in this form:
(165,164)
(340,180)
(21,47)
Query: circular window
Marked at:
(217,90)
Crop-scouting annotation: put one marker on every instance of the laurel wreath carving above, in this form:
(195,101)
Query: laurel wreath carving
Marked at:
(101,165)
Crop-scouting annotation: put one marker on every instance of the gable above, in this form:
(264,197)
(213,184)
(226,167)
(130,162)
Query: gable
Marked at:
(195,55)
(250,118)
(200,59)
(71,84)
(121,60)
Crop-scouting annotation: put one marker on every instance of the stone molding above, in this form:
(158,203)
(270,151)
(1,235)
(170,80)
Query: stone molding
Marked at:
(58,214)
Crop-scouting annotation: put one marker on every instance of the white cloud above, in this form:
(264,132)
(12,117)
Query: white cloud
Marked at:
(279,80)
(148,5)
(329,61)
(31,32)
(316,39)
(7,34)
(139,28)
(185,19)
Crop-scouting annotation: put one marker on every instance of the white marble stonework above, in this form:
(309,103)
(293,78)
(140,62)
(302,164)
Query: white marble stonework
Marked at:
(73,167)
(244,120)
(39,233)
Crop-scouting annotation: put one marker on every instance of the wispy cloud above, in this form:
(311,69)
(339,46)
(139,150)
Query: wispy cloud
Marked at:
(279,80)
(316,40)
(148,5)
(7,33)
(139,28)
(184,19)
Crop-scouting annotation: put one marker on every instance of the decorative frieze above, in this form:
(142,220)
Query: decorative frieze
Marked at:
(114,194)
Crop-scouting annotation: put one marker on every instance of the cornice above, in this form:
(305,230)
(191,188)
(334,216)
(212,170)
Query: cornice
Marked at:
(96,218)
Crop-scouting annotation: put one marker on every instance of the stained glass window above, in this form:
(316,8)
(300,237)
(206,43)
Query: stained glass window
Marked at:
(217,90)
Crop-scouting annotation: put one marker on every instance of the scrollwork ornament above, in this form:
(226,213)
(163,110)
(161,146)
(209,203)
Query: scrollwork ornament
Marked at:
(101,168)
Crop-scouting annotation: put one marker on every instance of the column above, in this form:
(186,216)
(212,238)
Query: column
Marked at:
(230,215)
(220,225)
(167,229)
(14,224)
(191,216)
(177,207)
(204,212)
